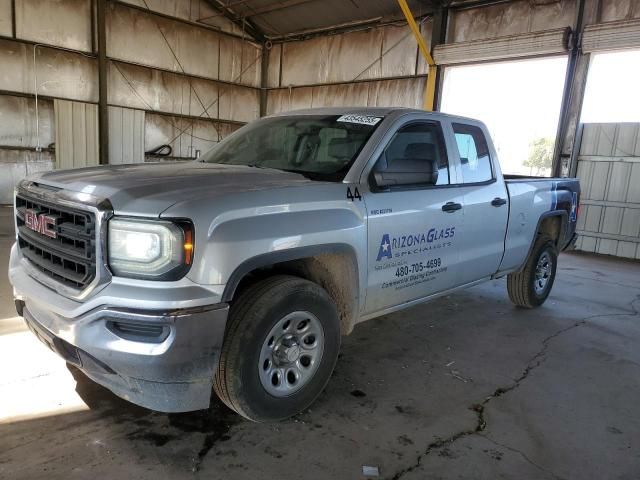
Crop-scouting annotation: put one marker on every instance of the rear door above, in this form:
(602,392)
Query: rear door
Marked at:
(412,251)
(486,207)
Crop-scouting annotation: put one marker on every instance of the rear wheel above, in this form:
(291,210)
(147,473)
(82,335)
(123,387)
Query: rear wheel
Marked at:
(280,348)
(530,287)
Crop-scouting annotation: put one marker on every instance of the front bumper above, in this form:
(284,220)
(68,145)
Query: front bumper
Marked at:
(168,373)
(118,347)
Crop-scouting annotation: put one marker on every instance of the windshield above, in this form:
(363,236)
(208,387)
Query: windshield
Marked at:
(322,147)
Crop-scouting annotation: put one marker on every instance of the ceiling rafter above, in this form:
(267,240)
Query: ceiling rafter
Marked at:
(243,23)
(254,12)
(282,5)
(250,18)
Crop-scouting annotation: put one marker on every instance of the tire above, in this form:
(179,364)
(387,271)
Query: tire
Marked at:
(530,287)
(257,335)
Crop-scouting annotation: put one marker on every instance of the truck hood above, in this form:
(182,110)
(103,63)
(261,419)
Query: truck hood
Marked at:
(151,188)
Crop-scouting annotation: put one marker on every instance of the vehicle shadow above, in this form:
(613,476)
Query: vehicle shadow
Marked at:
(216,419)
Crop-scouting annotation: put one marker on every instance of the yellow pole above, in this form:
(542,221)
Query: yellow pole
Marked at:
(430,88)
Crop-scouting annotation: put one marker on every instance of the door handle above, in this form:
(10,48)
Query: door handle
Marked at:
(451,207)
(498,202)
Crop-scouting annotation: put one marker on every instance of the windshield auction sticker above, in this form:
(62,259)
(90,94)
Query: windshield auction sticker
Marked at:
(360,119)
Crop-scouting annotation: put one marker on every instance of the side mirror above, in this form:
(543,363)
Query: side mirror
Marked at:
(406,171)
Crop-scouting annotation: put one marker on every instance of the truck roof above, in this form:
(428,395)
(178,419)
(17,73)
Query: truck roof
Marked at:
(373,111)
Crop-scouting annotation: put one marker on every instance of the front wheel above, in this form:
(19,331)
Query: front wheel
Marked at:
(281,345)
(530,287)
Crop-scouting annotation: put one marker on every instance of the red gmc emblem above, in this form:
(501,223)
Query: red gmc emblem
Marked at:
(41,223)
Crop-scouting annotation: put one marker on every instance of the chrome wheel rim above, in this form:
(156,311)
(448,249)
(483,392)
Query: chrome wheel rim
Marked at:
(544,268)
(291,353)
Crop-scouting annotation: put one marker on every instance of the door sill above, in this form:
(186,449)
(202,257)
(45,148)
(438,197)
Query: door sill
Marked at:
(417,301)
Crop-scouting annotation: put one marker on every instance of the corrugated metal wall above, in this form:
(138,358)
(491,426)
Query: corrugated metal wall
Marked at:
(209,90)
(375,67)
(185,136)
(212,87)
(126,135)
(76,134)
(609,173)
(19,136)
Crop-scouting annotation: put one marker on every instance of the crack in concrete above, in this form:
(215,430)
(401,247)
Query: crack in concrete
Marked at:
(479,408)
(523,455)
(481,423)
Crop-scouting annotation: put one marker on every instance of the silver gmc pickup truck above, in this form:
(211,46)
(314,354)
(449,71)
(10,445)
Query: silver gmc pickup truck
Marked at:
(242,270)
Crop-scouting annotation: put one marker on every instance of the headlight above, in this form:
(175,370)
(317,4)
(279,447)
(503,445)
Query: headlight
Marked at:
(151,249)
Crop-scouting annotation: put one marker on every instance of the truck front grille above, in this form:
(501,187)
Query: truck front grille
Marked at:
(57,240)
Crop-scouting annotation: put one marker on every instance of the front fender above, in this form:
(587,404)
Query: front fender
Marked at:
(288,255)
(233,241)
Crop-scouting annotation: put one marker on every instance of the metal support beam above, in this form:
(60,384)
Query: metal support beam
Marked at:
(13,18)
(103,112)
(93,27)
(264,76)
(571,96)
(438,37)
(430,88)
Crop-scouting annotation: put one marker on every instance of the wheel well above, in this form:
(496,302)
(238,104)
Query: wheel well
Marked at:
(551,226)
(337,273)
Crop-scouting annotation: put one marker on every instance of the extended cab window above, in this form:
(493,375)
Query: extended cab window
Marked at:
(415,156)
(474,153)
(318,146)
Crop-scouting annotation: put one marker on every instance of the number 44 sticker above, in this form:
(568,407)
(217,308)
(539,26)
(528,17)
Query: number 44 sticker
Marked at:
(353,195)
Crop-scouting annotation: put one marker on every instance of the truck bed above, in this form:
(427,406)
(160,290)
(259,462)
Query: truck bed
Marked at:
(531,200)
(528,178)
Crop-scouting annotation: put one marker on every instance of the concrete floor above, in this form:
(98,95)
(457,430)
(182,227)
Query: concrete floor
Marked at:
(464,387)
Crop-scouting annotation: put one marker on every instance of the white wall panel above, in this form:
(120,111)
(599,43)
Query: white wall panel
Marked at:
(612,10)
(383,52)
(509,18)
(406,92)
(238,103)
(130,32)
(191,10)
(305,62)
(402,50)
(126,135)
(56,73)
(199,51)
(18,122)
(240,61)
(76,134)
(273,69)
(17,164)
(609,173)
(397,93)
(184,135)
(5,18)
(619,35)
(143,88)
(65,23)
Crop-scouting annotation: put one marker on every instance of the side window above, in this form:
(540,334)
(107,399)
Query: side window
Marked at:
(474,153)
(412,148)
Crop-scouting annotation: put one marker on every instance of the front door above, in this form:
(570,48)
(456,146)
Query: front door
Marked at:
(412,227)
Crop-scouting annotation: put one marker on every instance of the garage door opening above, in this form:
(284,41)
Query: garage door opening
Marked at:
(612,93)
(519,101)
